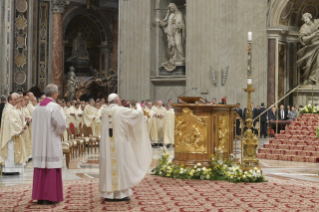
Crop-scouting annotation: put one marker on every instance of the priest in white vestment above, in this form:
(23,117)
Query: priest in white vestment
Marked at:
(97,120)
(27,133)
(48,124)
(30,104)
(169,126)
(65,133)
(160,114)
(78,115)
(151,122)
(89,115)
(126,153)
(12,127)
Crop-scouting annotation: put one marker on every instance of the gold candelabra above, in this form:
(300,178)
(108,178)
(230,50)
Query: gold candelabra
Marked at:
(250,144)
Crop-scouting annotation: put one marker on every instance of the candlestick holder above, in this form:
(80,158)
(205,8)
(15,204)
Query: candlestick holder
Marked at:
(250,144)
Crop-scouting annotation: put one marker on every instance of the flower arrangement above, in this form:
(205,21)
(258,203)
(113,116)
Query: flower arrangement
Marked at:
(309,109)
(219,170)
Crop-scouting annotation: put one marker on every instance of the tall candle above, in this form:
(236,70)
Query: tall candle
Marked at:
(250,36)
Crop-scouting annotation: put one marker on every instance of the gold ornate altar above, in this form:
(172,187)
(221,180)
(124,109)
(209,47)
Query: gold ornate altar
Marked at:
(200,128)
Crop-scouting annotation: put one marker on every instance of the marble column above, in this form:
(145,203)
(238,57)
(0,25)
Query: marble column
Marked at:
(57,44)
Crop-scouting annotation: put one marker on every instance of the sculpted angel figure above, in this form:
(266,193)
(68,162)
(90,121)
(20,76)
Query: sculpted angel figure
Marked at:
(309,54)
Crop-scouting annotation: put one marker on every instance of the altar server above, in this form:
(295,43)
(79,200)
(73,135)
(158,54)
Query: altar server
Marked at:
(126,153)
(49,123)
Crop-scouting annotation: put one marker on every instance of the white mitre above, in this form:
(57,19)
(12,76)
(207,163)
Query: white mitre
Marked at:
(111,97)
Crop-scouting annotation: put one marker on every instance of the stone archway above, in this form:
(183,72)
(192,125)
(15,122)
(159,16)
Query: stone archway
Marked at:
(101,21)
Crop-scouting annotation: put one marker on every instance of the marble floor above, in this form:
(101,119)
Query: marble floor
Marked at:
(87,166)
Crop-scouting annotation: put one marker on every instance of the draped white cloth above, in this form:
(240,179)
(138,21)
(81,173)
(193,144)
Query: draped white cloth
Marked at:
(125,158)
(169,127)
(151,123)
(48,124)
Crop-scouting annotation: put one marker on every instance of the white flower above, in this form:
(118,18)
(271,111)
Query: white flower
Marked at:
(198,170)
(204,168)
(225,166)
(244,176)
(258,171)
(213,159)
(207,177)
(195,167)
(255,168)
(182,169)
(160,172)
(199,164)
(231,177)
(181,172)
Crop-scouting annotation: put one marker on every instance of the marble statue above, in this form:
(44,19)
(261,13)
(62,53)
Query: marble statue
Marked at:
(72,83)
(79,50)
(112,79)
(309,37)
(94,72)
(174,28)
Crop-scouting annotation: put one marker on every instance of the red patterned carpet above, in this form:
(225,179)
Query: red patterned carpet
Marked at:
(165,194)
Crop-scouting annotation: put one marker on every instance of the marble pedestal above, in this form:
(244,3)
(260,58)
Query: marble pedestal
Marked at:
(179,70)
(305,95)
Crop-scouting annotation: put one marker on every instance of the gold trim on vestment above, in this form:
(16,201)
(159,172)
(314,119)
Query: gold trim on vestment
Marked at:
(114,169)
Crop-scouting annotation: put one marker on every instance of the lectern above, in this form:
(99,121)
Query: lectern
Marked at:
(200,128)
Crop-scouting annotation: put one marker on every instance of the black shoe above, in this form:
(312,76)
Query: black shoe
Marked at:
(47,202)
(118,200)
(40,202)
(168,145)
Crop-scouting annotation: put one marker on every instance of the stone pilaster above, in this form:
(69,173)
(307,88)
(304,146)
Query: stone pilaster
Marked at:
(58,7)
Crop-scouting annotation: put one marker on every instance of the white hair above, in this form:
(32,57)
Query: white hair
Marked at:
(16,94)
(50,90)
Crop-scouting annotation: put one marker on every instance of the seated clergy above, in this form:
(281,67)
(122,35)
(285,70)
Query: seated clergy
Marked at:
(69,112)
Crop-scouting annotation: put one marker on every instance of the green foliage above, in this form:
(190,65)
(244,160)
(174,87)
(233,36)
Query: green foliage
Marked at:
(219,170)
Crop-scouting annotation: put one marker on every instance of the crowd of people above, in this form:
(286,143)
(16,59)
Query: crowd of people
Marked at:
(290,113)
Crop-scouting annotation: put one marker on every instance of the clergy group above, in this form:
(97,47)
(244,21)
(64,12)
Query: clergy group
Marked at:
(34,128)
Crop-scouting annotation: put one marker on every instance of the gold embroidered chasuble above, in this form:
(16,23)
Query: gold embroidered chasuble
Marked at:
(12,125)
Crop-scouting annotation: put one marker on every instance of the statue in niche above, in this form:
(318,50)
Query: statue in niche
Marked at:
(309,37)
(72,83)
(174,27)
(79,50)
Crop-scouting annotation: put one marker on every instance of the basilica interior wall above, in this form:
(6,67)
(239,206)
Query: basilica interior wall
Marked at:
(216,36)
(135,49)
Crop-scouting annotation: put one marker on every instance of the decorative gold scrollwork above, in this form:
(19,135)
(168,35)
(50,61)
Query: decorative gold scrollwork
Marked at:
(190,133)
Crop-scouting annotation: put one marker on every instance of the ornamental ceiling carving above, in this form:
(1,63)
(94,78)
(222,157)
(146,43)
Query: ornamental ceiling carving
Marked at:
(294,9)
